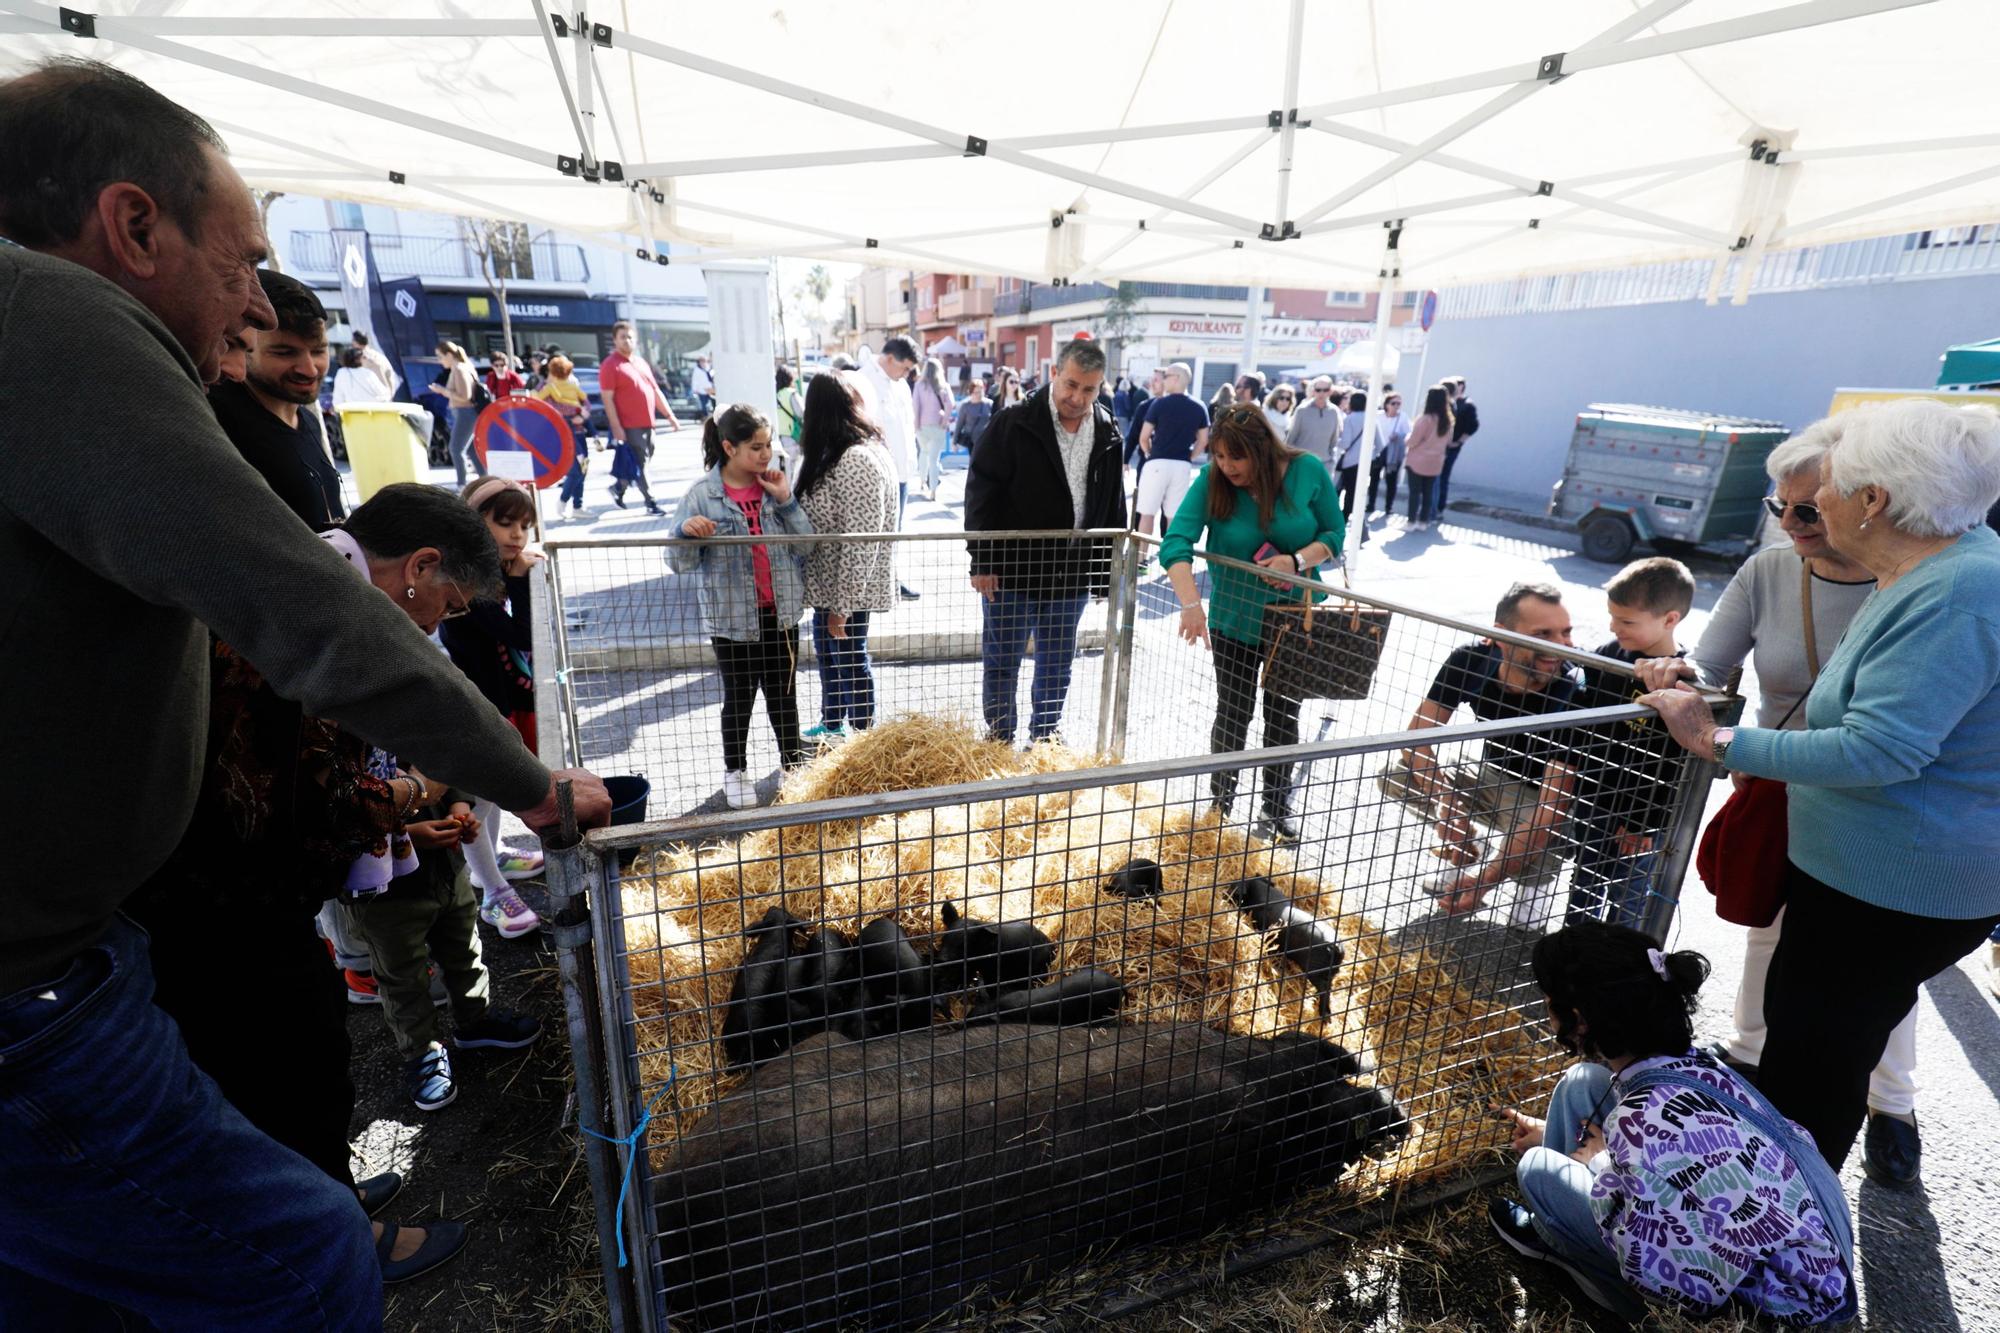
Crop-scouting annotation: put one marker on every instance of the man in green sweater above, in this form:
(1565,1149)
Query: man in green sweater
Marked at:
(127,532)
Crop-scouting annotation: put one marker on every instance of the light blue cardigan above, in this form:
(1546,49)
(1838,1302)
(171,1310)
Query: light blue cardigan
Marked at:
(1895,795)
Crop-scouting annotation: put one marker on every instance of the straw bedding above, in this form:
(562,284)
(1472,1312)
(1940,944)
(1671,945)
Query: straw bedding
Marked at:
(1442,1051)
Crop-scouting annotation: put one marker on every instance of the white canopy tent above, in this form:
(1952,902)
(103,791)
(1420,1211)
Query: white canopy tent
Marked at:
(1392,143)
(1184,140)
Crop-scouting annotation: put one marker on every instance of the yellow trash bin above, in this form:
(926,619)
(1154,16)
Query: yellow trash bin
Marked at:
(386,442)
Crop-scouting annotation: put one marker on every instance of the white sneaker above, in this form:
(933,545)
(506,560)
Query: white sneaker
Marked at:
(1993,962)
(738,789)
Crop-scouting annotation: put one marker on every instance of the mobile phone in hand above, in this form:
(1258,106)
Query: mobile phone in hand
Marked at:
(1264,552)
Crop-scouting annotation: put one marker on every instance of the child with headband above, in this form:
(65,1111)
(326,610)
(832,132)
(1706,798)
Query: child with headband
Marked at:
(493,644)
(1660,1175)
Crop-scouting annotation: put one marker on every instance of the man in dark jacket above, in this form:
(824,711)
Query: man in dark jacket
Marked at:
(1053,461)
(1464,425)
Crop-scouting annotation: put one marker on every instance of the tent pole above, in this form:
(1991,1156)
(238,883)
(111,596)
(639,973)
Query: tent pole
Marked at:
(547,30)
(1385,304)
(1208,178)
(1876,205)
(111,29)
(718,166)
(1520,92)
(1253,319)
(1289,112)
(1769,22)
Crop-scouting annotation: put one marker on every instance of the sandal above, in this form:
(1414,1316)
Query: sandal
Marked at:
(377,1191)
(442,1242)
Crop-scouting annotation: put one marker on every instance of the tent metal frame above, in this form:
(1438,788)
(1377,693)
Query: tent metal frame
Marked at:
(650,182)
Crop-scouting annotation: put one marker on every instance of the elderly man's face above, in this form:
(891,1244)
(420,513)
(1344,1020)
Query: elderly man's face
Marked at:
(1075,391)
(205,290)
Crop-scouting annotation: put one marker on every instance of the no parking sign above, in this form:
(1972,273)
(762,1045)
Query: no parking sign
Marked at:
(525,439)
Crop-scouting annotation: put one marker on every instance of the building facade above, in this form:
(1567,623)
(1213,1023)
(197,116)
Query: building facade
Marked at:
(560,290)
(978,324)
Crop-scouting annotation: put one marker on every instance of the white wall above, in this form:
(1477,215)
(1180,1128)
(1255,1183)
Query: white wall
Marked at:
(1779,357)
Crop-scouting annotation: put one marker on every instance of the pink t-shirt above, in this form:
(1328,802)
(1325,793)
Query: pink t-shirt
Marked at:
(750,499)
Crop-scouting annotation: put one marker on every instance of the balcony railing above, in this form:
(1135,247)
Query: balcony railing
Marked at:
(975,303)
(442,257)
(1043,296)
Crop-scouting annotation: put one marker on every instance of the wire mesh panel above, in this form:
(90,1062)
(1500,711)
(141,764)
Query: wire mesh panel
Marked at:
(908,1049)
(669,670)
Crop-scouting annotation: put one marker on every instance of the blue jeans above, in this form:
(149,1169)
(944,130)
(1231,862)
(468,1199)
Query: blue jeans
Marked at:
(1557,1186)
(1423,498)
(1009,621)
(1610,887)
(572,482)
(463,455)
(1444,477)
(127,1178)
(846,677)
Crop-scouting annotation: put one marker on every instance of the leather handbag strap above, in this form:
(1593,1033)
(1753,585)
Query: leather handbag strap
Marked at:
(1805,602)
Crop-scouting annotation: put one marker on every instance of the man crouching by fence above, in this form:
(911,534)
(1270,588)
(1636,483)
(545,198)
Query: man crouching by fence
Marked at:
(1520,788)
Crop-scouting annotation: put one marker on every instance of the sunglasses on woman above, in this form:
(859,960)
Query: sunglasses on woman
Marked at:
(1808,513)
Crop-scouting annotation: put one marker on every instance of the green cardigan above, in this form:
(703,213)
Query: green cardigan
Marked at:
(1308,510)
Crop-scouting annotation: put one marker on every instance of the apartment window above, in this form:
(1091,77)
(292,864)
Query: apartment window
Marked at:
(1408,300)
(348,215)
(1346,298)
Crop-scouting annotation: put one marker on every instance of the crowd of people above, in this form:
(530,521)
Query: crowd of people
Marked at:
(311,790)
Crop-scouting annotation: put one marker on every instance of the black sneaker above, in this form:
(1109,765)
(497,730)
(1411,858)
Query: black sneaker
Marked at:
(501,1029)
(1516,1226)
(431,1085)
(1892,1153)
(907,593)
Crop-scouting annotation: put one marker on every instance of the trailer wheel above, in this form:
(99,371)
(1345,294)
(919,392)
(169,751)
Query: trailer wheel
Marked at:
(1607,538)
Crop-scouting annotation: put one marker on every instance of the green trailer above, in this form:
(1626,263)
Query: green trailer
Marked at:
(1674,479)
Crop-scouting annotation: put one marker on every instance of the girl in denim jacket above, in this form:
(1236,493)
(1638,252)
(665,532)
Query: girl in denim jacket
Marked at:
(751,593)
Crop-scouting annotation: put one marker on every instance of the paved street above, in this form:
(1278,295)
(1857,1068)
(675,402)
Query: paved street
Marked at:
(1922,1254)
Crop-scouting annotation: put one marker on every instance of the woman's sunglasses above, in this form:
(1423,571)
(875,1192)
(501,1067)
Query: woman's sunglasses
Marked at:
(1808,513)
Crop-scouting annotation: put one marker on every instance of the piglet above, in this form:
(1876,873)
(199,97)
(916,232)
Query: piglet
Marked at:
(897,979)
(823,986)
(1139,879)
(758,1024)
(1305,940)
(1089,996)
(1002,954)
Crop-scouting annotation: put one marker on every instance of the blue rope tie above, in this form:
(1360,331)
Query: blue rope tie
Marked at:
(630,1142)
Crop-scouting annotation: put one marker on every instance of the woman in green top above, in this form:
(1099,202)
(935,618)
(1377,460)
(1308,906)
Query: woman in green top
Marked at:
(1261,502)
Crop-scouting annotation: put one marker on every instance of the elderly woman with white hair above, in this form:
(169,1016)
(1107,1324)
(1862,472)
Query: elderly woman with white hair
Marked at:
(1784,613)
(1894,785)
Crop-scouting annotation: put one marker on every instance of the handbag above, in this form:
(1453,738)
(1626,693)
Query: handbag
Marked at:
(1331,653)
(1745,851)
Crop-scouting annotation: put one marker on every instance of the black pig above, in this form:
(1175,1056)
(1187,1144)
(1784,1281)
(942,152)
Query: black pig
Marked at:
(879,1183)
(758,1024)
(1005,954)
(1303,938)
(1089,996)
(823,986)
(897,979)
(1139,879)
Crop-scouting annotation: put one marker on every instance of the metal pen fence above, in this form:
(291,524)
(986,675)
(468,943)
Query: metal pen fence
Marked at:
(882,1052)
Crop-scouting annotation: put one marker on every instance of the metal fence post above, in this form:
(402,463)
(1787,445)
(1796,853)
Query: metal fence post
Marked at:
(1682,837)
(567,870)
(1128,617)
(1114,657)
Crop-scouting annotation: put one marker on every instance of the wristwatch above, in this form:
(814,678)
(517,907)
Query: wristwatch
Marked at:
(1299,560)
(1720,740)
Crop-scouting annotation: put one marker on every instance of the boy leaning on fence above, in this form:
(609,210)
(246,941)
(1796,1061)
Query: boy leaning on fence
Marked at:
(1520,788)
(1626,773)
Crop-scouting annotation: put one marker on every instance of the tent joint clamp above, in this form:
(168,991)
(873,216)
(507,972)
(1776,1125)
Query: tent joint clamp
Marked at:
(1550,68)
(646,255)
(975,146)
(79,24)
(398,178)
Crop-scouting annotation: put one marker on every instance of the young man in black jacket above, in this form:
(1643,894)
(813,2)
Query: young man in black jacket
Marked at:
(1053,461)
(1464,425)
